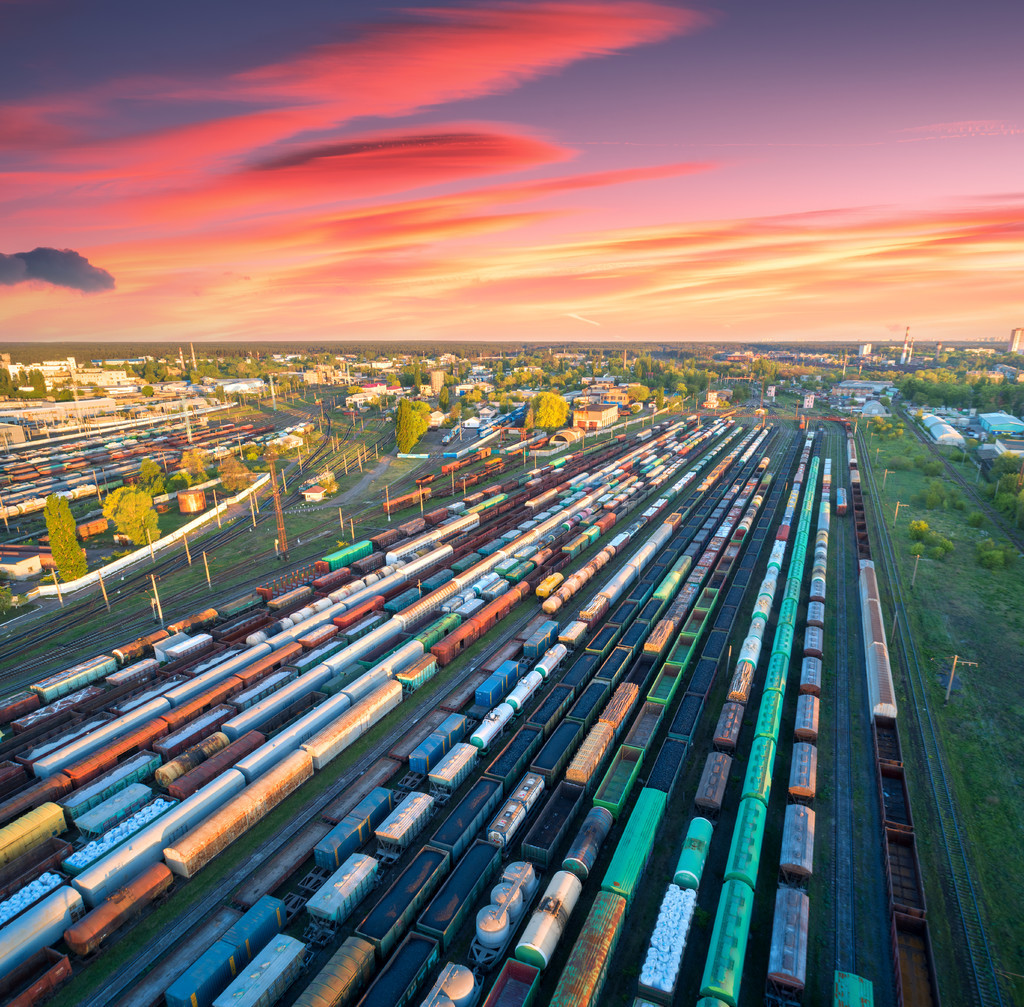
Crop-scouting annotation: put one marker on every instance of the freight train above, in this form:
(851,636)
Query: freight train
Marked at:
(424,904)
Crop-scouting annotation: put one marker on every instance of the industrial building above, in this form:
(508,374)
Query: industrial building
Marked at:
(941,432)
(595,417)
(1001,423)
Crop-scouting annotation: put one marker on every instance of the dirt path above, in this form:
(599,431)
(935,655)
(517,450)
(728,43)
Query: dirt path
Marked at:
(359,490)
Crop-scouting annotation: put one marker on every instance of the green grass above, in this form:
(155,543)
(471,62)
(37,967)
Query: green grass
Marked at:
(957,607)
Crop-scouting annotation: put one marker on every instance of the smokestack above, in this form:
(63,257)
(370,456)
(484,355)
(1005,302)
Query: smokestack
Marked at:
(906,346)
(195,366)
(910,355)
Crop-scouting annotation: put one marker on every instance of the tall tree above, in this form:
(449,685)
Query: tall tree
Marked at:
(550,411)
(410,424)
(132,512)
(151,477)
(60,524)
(234,476)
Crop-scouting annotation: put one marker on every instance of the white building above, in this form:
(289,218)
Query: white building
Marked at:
(941,432)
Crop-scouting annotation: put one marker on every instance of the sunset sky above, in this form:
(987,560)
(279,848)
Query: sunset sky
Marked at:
(593,171)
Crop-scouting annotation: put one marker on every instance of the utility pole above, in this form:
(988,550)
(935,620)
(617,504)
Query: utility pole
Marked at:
(282,538)
(897,514)
(952,672)
(206,567)
(387,500)
(156,595)
(252,510)
(216,509)
(885,475)
(188,552)
(913,580)
(103,588)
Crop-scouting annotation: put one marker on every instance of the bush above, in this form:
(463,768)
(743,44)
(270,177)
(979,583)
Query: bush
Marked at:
(976,519)
(919,531)
(993,556)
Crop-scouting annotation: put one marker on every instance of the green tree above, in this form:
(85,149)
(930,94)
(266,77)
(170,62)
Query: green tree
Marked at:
(550,411)
(151,477)
(60,524)
(444,399)
(132,512)
(193,461)
(7,604)
(234,476)
(147,390)
(410,424)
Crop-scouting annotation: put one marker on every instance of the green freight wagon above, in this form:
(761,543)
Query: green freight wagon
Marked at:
(614,790)
(626,870)
(723,970)
(348,555)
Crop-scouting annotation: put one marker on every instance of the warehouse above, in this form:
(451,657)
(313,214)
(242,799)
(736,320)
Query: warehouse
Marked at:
(595,417)
(1001,423)
(941,432)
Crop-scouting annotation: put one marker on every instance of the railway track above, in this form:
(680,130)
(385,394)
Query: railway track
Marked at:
(119,983)
(58,623)
(968,921)
(842,804)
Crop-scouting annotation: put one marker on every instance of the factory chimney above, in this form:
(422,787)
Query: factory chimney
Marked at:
(906,346)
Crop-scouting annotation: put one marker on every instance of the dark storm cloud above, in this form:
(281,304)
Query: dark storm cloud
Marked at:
(62,268)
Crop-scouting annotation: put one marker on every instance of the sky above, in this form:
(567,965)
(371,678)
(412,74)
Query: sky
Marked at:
(595,171)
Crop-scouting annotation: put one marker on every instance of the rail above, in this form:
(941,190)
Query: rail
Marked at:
(842,818)
(975,944)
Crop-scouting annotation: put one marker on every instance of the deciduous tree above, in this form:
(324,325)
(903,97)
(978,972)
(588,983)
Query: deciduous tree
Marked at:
(550,411)
(60,524)
(132,512)
(234,476)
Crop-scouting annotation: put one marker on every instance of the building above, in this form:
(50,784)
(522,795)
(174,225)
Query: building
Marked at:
(314,494)
(873,408)
(1001,424)
(865,350)
(595,417)
(710,400)
(1010,446)
(436,382)
(1016,341)
(941,432)
(616,396)
(436,418)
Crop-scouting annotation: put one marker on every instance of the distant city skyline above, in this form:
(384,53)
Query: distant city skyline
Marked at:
(540,171)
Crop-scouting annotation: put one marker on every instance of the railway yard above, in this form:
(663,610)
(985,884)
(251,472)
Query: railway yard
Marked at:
(625,724)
